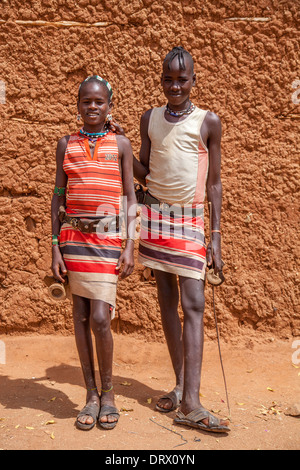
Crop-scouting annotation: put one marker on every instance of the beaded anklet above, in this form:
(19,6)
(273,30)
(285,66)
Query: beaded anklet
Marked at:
(105,391)
(91,389)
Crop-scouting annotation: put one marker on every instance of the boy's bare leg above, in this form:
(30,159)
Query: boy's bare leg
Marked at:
(168,297)
(101,326)
(81,318)
(192,300)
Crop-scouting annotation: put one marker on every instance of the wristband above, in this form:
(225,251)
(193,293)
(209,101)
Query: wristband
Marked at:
(60,191)
(55,240)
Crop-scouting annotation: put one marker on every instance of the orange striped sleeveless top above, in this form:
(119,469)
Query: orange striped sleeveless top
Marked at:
(94,183)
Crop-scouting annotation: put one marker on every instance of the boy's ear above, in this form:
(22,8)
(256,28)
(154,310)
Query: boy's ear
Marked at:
(194,80)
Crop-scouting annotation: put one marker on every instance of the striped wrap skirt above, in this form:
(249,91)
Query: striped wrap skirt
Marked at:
(91,262)
(172,240)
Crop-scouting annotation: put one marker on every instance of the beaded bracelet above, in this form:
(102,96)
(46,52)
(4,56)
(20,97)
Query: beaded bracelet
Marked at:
(216,231)
(55,240)
(60,191)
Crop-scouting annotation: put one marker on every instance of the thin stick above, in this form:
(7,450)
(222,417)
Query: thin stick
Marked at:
(214,309)
(171,430)
(220,354)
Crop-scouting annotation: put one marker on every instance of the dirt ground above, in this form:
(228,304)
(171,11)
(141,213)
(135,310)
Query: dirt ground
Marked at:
(41,392)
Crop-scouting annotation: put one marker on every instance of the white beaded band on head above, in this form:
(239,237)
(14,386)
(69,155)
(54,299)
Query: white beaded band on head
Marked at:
(100,79)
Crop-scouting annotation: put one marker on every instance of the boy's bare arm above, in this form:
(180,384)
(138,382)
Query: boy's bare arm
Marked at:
(214,184)
(58,266)
(141,167)
(126,155)
(126,259)
(60,181)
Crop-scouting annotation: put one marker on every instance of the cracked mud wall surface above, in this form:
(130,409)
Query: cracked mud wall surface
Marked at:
(246,61)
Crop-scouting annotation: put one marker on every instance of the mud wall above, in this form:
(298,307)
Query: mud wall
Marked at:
(247,63)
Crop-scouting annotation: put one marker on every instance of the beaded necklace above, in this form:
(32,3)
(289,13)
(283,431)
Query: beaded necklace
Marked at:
(93,136)
(189,110)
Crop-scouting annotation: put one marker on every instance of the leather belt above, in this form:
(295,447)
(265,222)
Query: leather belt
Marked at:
(145,198)
(103,225)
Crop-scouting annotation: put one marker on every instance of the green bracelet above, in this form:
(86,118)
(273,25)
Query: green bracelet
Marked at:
(60,191)
(55,240)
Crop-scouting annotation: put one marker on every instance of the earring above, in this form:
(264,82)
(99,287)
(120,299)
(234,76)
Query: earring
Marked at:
(78,117)
(108,118)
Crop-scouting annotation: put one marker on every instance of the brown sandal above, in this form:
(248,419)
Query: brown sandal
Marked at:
(175,396)
(194,419)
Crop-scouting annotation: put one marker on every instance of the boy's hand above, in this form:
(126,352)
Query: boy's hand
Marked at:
(216,262)
(58,266)
(127,260)
(115,127)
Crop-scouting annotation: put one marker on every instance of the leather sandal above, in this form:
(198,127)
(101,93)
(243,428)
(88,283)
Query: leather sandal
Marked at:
(107,410)
(194,419)
(175,396)
(92,410)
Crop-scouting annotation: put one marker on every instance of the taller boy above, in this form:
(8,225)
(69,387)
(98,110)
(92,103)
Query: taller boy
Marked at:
(180,162)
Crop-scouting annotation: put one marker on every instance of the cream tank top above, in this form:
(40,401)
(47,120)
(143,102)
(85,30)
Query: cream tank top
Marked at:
(179,160)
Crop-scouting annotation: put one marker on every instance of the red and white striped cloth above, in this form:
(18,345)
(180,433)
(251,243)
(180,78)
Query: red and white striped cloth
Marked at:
(94,189)
(172,241)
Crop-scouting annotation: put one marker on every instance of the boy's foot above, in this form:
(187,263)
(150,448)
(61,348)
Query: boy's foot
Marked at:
(202,419)
(170,401)
(88,416)
(108,417)
(109,414)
